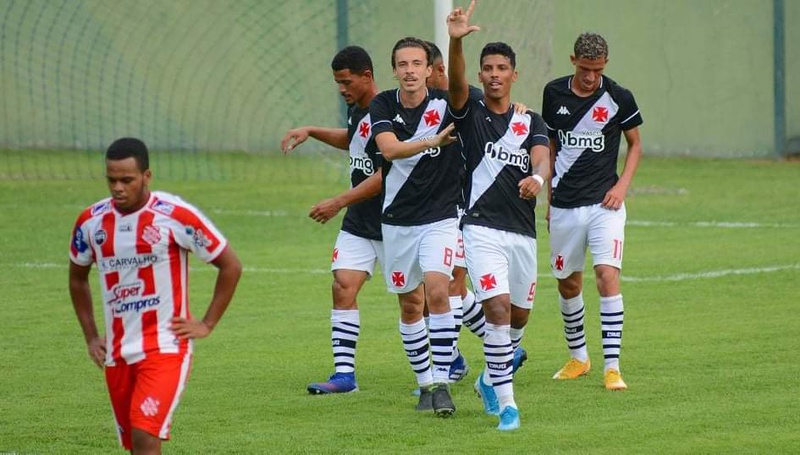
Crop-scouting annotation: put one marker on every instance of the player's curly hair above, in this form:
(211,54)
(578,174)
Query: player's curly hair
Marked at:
(353,58)
(499,48)
(410,41)
(591,46)
(129,147)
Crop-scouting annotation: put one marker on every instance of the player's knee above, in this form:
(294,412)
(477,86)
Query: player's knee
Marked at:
(571,286)
(145,443)
(607,278)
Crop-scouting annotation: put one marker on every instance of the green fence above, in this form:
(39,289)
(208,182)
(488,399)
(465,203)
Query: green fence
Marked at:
(208,76)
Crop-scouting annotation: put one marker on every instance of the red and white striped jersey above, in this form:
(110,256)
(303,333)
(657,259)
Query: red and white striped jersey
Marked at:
(142,258)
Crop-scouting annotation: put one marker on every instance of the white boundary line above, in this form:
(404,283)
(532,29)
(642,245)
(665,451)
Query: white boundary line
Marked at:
(651,279)
(713,224)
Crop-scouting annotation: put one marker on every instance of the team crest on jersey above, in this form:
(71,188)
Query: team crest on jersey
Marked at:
(600,114)
(432,117)
(78,242)
(151,234)
(100,236)
(363,129)
(163,207)
(519,128)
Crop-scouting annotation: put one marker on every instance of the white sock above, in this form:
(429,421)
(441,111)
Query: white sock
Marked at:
(572,312)
(345,328)
(611,315)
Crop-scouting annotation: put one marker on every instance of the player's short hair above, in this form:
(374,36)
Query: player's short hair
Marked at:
(410,41)
(436,53)
(129,147)
(353,58)
(591,46)
(499,48)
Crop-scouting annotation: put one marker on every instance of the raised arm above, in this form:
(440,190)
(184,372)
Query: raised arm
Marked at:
(458,27)
(335,137)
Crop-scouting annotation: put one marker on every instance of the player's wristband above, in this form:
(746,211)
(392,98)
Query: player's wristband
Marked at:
(539,179)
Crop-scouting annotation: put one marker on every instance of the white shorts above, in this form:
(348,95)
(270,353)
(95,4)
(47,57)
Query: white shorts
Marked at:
(501,262)
(573,230)
(411,251)
(352,252)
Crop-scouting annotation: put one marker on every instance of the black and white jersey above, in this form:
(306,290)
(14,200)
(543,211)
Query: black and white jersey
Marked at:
(362,219)
(587,135)
(423,188)
(497,149)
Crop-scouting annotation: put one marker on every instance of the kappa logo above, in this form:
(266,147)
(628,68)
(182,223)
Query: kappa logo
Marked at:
(563,110)
(398,119)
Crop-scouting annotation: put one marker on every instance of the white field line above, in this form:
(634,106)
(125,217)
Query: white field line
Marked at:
(299,271)
(712,274)
(712,224)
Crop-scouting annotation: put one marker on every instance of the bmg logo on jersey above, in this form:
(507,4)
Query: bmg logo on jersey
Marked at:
(593,140)
(362,163)
(519,157)
(433,151)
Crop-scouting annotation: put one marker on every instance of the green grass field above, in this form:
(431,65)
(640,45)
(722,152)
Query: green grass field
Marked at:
(711,285)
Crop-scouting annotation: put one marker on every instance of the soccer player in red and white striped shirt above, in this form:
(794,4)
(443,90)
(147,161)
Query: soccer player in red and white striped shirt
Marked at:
(140,242)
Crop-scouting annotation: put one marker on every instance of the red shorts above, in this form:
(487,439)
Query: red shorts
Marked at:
(144,395)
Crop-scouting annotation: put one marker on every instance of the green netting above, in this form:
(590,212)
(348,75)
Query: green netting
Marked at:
(198,78)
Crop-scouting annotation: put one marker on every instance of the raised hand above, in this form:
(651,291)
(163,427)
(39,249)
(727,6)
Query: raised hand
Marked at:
(458,22)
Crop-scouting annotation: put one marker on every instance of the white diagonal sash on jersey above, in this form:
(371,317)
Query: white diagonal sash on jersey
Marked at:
(402,168)
(487,170)
(567,156)
(359,159)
